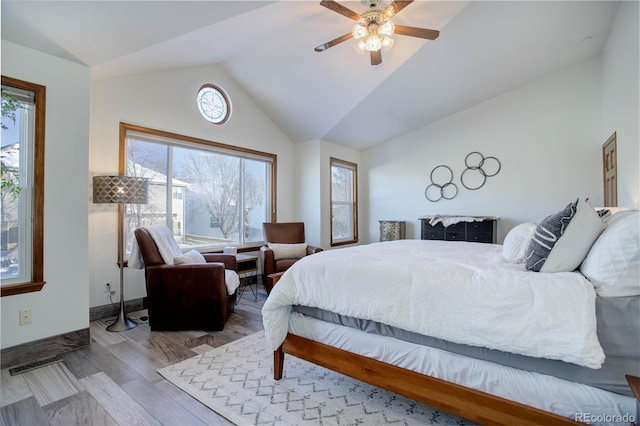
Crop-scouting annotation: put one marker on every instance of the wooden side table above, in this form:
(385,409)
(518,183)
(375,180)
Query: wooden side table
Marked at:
(248,272)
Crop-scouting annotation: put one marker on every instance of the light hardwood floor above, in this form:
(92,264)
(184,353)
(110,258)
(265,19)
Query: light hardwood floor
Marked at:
(114,380)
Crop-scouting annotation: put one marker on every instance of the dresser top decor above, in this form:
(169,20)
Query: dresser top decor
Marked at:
(450,220)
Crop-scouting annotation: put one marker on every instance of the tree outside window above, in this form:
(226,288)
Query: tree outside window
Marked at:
(220,195)
(22,189)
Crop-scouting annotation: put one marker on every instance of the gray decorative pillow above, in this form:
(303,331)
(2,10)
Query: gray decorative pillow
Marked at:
(562,241)
(547,234)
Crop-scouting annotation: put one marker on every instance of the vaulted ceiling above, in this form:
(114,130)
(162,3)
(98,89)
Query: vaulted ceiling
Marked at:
(485,48)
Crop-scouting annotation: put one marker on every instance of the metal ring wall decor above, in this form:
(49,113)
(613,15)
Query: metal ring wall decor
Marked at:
(486,167)
(437,191)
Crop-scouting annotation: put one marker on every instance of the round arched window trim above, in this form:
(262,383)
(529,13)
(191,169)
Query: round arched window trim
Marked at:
(213,93)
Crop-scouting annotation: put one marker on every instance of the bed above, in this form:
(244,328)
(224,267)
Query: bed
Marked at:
(467,328)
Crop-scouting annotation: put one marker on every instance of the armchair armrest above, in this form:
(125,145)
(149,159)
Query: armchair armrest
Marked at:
(268,260)
(229,260)
(207,280)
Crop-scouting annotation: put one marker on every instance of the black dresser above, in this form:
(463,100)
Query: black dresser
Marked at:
(481,229)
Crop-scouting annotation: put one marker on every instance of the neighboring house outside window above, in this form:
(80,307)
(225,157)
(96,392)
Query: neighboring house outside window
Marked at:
(178,193)
(344,202)
(213,222)
(217,195)
(22,208)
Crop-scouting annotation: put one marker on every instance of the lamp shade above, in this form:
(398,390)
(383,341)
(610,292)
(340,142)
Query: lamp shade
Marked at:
(387,28)
(373,43)
(359,31)
(120,189)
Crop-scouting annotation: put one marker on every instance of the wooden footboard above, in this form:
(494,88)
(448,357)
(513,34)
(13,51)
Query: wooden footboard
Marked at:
(466,402)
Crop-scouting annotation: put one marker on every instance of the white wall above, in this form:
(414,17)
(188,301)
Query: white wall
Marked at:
(313,188)
(63,304)
(546,134)
(308,188)
(166,101)
(620,106)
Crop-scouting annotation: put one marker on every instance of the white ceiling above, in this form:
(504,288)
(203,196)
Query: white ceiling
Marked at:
(485,48)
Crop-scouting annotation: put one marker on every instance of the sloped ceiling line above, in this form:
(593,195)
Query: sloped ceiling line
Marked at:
(485,48)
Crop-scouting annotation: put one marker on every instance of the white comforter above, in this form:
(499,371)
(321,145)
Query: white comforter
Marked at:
(461,292)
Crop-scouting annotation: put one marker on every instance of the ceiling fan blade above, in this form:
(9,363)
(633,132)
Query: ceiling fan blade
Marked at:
(376,57)
(336,7)
(417,32)
(395,7)
(333,42)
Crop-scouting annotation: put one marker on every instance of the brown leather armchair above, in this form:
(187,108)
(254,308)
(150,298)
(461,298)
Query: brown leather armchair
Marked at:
(190,296)
(281,233)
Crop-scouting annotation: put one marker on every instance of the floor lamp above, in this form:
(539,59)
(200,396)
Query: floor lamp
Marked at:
(121,190)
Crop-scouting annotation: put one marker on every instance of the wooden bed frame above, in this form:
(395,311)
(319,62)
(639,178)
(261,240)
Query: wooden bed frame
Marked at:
(469,403)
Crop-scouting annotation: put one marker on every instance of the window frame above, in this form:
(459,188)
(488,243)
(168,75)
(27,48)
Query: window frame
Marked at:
(225,97)
(126,127)
(353,239)
(36,283)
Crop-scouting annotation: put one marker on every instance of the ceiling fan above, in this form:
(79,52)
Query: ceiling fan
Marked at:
(374,28)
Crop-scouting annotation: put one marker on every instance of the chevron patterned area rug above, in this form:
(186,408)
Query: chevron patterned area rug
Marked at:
(236,381)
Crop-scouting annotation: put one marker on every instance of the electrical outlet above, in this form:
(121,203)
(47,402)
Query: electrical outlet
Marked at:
(25,317)
(107,288)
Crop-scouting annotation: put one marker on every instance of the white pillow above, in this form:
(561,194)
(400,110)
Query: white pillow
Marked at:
(288,251)
(613,263)
(562,241)
(193,256)
(516,242)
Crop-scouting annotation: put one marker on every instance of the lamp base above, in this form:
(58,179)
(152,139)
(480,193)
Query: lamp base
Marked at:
(122,323)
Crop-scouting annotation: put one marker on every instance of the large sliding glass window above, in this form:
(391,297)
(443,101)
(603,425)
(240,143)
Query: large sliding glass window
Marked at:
(21,210)
(344,202)
(210,194)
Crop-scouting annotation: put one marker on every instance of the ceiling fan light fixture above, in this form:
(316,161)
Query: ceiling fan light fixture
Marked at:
(374,27)
(373,43)
(387,42)
(359,31)
(387,28)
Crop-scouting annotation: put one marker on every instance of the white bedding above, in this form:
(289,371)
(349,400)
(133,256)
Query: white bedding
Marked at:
(477,299)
